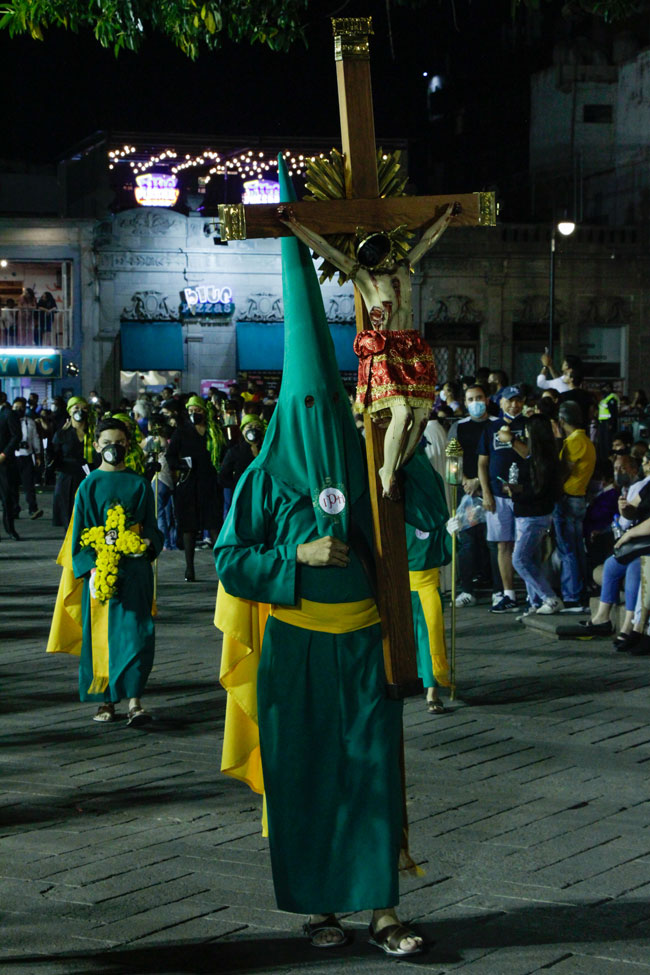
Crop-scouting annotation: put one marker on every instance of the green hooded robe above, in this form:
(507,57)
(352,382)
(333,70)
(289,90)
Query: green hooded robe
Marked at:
(429,546)
(329,736)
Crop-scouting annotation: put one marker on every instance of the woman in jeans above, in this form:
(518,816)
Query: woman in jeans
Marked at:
(534,498)
(614,573)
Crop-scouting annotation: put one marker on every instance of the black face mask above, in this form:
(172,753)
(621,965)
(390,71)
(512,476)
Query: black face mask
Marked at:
(19,412)
(253,434)
(114,454)
(197,418)
(78,416)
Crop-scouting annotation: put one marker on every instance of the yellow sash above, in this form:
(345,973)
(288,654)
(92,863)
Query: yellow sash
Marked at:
(426,583)
(329,617)
(66,627)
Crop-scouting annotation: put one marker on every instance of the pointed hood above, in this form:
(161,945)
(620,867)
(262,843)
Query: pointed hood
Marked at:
(312,442)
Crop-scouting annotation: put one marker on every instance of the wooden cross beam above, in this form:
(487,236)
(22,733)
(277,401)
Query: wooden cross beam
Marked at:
(345,216)
(363,208)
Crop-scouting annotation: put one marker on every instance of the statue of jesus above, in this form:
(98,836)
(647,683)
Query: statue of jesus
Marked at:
(396,367)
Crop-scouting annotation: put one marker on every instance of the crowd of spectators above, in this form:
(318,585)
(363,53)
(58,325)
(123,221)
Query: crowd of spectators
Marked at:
(553,473)
(559,480)
(30,320)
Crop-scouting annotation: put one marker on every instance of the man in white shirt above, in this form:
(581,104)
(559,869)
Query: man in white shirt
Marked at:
(27,454)
(560,383)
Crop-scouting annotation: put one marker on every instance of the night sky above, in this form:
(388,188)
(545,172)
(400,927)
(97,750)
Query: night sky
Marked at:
(61,90)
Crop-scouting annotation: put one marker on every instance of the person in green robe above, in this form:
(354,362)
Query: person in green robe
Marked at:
(117,646)
(429,547)
(298,537)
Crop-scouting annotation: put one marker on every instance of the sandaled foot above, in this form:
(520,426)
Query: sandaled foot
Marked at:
(396,939)
(435,706)
(137,716)
(327,933)
(105,712)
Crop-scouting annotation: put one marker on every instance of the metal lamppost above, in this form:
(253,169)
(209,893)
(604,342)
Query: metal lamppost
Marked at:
(453,477)
(566,228)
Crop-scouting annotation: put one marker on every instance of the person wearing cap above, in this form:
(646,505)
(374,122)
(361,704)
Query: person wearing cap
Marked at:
(73,456)
(194,454)
(579,454)
(240,454)
(308,720)
(498,464)
(135,459)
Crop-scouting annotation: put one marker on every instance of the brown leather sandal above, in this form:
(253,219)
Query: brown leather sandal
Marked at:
(390,938)
(105,712)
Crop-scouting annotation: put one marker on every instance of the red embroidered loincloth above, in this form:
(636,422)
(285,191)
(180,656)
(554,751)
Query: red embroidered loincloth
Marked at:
(394,367)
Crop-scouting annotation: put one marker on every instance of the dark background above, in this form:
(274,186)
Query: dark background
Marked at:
(61,90)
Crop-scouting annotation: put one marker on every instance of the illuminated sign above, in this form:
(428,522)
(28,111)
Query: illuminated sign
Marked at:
(207,300)
(43,363)
(156,191)
(261,191)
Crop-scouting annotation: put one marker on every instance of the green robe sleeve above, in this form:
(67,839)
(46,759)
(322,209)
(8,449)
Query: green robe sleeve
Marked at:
(251,560)
(425,509)
(83,559)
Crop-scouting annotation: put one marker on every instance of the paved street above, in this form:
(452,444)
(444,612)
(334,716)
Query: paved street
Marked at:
(126,851)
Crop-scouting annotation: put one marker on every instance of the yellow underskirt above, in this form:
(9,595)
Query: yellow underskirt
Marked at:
(426,583)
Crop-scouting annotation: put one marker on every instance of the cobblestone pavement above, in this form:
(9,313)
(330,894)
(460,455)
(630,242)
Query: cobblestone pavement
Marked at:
(125,851)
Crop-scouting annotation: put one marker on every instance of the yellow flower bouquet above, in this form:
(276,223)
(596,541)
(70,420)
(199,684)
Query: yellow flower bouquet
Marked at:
(111,541)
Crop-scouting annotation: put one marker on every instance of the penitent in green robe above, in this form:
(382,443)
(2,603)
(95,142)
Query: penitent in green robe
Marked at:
(329,736)
(428,546)
(130,631)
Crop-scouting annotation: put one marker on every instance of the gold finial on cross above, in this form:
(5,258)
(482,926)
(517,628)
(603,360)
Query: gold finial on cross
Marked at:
(351,38)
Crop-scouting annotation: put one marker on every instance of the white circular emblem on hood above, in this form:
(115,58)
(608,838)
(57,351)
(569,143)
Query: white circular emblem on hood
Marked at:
(332,501)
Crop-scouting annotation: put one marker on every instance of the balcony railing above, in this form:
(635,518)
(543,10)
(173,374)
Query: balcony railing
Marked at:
(26,327)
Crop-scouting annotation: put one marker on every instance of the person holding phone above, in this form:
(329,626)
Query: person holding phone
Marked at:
(534,498)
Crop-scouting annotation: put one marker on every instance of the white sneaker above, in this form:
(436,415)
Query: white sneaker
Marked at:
(531,611)
(496,597)
(465,599)
(550,606)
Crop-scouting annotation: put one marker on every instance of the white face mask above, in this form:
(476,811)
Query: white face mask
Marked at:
(443,395)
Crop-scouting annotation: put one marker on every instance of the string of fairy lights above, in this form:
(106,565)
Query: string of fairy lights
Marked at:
(248,163)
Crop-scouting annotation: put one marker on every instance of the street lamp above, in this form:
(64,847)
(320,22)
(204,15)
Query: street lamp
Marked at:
(566,228)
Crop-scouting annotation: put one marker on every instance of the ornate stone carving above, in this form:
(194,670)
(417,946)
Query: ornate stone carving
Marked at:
(263,306)
(453,310)
(341,309)
(533,310)
(604,310)
(149,306)
(147,222)
(131,261)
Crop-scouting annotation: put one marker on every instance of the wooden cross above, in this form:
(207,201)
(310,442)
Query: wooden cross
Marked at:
(363,207)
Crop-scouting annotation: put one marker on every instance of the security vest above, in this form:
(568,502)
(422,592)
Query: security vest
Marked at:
(604,412)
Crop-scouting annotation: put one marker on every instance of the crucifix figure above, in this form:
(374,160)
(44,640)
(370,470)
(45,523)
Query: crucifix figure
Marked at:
(363,207)
(396,369)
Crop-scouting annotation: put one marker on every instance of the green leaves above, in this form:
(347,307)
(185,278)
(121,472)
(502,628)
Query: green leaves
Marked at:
(192,25)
